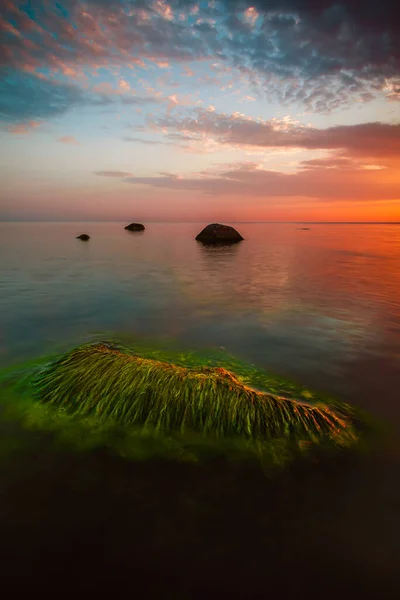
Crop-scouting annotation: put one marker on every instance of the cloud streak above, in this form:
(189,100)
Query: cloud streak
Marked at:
(116,174)
(251,181)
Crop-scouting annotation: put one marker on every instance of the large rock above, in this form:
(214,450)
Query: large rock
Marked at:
(217,234)
(135,227)
(84,237)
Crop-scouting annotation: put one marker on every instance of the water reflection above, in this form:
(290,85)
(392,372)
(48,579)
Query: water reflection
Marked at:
(216,258)
(219,248)
(136,232)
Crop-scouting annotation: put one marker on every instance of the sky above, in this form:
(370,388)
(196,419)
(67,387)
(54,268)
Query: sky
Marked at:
(188,110)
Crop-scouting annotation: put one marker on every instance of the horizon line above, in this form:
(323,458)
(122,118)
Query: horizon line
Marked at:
(197,222)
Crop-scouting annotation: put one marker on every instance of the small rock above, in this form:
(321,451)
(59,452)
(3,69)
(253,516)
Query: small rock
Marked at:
(84,237)
(135,227)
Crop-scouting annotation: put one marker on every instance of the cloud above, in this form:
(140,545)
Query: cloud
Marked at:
(163,9)
(23,128)
(172,102)
(141,141)
(188,72)
(324,55)
(97,33)
(124,85)
(250,180)
(142,100)
(68,139)
(373,167)
(246,165)
(251,15)
(118,174)
(392,89)
(340,162)
(163,64)
(237,130)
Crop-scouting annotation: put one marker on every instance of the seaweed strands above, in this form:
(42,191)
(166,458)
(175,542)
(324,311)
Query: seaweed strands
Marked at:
(101,380)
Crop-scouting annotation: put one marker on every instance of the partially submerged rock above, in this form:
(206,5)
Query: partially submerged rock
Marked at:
(135,227)
(84,237)
(217,234)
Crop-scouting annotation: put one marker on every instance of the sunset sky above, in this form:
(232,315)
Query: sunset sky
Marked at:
(190,110)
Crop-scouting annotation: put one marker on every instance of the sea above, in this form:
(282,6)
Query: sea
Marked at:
(317,303)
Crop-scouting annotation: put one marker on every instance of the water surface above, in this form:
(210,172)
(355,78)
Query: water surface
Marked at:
(320,306)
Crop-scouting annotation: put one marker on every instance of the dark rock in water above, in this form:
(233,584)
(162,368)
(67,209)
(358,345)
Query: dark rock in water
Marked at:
(304,228)
(135,227)
(219,234)
(84,237)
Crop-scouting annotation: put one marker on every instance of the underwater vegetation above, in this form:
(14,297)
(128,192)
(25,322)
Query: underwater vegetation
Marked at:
(145,402)
(104,381)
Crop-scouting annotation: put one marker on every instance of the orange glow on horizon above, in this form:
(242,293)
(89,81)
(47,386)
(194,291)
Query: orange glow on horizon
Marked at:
(356,211)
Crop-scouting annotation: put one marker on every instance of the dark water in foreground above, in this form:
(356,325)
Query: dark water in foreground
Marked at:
(319,306)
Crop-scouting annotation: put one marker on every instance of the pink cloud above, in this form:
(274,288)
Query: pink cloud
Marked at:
(124,85)
(163,64)
(8,27)
(251,15)
(68,139)
(23,128)
(29,68)
(98,39)
(188,72)
(163,9)
(172,101)
(105,88)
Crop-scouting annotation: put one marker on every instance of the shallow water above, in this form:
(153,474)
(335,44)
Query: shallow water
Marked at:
(321,306)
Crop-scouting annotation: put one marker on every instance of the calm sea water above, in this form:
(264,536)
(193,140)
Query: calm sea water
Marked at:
(321,306)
